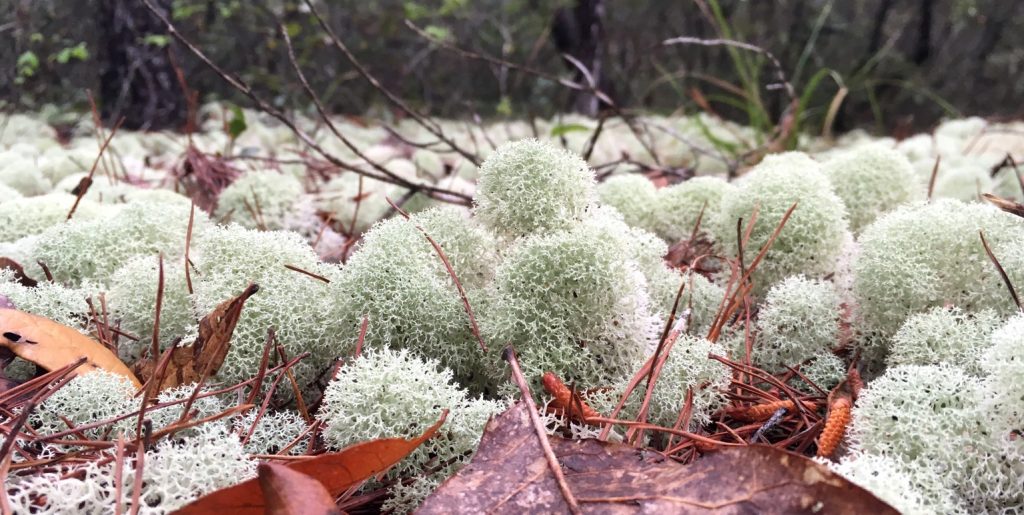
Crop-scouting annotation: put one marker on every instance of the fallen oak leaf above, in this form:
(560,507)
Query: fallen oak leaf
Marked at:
(205,356)
(51,345)
(509,474)
(336,471)
(288,492)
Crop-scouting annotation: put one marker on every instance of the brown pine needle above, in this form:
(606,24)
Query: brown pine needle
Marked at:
(451,272)
(999,268)
(556,468)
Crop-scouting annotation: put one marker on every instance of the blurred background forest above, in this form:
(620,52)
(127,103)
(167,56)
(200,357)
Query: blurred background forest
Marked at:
(895,65)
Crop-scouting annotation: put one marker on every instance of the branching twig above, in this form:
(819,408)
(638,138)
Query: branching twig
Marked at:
(426,123)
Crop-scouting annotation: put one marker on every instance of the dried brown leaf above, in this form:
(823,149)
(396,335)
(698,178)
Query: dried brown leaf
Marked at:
(204,357)
(51,345)
(288,492)
(509,474)
(337,472)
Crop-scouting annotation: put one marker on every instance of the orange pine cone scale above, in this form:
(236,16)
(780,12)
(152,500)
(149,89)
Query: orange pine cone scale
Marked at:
(835,427)
(759,412)
(564,400)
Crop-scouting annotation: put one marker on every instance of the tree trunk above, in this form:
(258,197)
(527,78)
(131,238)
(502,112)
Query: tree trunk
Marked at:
(578,32)
(138,81)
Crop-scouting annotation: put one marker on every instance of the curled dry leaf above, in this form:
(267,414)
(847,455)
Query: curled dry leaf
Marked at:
(509,474)
(206,355)
(19,272)
(51,345)
(564,400)
(336,471)
(288,492)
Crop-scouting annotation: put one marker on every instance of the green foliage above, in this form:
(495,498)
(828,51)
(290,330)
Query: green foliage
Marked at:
(237,125)
(71,53)
(28,64)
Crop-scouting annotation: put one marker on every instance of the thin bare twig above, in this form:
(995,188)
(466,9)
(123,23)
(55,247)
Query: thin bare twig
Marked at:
(509,355)
(935,174)
(83,185)
(1000,269)
(583,88)
(244,88)
(451,272)
(431,126)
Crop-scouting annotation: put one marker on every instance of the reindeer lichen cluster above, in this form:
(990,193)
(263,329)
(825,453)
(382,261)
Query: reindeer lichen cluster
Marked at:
(530,186)
(386,393)
(578,274)
(259,200)
(929,254)
(811,240)
(799,318)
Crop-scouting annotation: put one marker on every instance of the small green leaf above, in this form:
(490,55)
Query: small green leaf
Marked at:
(504,107)
(237,124)
(157,40)
(68,54)
(560,130)
(438,32)
(28,63)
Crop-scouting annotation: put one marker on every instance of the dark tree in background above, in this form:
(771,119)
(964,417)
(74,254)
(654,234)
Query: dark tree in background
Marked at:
(138,80)
(577,32)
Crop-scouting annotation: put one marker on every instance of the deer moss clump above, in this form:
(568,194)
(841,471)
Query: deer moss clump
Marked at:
(532,186)
(811,241)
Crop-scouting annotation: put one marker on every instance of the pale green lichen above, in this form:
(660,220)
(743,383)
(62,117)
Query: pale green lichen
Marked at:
(871,180)
(926,255)
(798,320)
(132,301)
(943,335)
(397,281)
(387,394)
(573,304)
(810,242)
(532,186)
(632,195)
(259,200)
(679,206)
(227,259)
